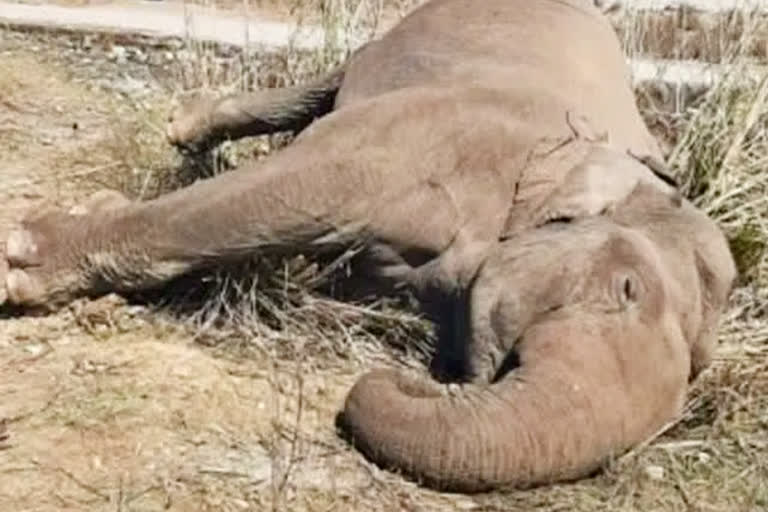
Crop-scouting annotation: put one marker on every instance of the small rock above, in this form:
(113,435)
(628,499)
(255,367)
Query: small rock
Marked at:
(64,340)
(137,55)
(704,458)
(35,350)
(466,505)
(118,54)
(607,6)
(654,472)
(184,56)
(129,86)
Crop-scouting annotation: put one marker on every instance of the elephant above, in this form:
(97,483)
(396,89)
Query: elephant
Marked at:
(488,155)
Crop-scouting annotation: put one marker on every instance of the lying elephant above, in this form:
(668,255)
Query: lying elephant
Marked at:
(485,152)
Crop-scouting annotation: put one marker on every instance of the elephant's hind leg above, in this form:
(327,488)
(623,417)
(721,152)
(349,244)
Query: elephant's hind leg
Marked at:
(205,122)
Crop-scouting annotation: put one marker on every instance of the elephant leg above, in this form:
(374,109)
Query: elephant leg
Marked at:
(295,203)
(203,123)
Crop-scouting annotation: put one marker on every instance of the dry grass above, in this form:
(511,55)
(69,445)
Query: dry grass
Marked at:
(323,11)
(242,418)
(688,34)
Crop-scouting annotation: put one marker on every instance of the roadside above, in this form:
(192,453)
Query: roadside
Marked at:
(663,45)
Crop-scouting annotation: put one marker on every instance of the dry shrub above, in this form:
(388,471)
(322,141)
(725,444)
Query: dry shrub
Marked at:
(290,308)
(720,161)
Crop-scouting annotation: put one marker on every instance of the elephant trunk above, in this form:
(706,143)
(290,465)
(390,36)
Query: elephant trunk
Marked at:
(569,406)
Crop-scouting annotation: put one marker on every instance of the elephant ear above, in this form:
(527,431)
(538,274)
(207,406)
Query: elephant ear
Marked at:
(595,180)
(717,275)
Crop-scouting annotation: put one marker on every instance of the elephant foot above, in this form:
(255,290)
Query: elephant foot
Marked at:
(189,125)
(41,264)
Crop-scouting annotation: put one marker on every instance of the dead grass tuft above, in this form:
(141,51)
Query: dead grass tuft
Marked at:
(292,309)
(720,161)
(688,34)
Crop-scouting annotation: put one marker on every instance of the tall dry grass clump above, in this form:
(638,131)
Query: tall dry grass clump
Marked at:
(690,34)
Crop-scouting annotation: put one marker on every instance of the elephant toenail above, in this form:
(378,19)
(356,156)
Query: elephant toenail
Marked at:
(22,288)
(20,248)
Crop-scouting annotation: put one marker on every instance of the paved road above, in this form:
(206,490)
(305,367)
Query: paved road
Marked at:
(166,19)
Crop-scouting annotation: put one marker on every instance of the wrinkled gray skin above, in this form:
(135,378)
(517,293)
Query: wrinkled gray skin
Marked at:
(483,148)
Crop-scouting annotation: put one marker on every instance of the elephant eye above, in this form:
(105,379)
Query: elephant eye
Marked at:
(556,221)
(559,219)
(629,290)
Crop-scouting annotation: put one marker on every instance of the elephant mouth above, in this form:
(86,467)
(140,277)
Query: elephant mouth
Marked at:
(511,360)
(510,363)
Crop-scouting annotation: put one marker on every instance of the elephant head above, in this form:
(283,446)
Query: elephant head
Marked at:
(604,319)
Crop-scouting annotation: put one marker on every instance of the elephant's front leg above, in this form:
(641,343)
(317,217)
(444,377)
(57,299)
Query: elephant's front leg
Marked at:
(295,201)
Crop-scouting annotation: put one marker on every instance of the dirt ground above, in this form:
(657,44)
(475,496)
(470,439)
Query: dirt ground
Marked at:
(117,406)
(102,406)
